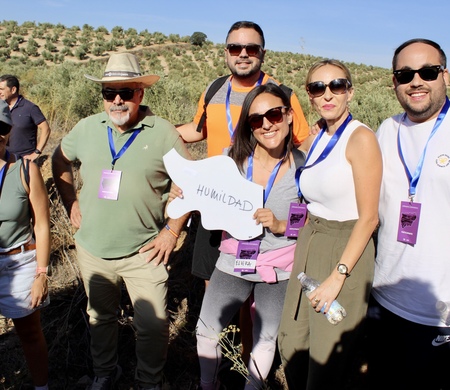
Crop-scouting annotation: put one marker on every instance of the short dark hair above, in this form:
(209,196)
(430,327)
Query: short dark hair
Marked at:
(247,24)
(244,142)
(11,81)
(442,55)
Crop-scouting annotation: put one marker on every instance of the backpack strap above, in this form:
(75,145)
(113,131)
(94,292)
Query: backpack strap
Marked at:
(26,170)
(212,90)
(299,158)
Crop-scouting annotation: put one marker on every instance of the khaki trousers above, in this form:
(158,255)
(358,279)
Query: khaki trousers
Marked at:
(147,287)
(315,353)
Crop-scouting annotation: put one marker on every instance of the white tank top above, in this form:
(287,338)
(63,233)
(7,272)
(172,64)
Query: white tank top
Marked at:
(329,186)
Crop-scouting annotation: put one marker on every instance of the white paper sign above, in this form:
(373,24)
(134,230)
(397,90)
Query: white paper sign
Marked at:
(214,186)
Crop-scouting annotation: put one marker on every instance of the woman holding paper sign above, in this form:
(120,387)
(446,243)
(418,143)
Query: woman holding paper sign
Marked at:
(335,247)
(263,152)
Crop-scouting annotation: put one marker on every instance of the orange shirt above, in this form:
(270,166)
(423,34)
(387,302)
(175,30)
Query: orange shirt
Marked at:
(217,133)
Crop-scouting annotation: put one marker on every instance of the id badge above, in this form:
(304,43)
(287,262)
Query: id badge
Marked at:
(296,219)
(109,184)
(408,223)
(246,255)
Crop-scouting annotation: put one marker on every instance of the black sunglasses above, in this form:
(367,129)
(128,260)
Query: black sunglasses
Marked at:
(235,49)
(110,94)
(337,86)
(4,128)
(274,115)
(427,73)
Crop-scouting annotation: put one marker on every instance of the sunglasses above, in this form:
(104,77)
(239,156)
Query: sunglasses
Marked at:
(235,49)
(4,128)
(427,73)
(274,115)
(337,87)
(110,94)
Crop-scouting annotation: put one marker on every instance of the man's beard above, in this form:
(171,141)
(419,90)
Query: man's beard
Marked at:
(123,118)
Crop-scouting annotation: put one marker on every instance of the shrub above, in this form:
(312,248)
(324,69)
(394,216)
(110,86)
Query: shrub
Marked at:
(198,38)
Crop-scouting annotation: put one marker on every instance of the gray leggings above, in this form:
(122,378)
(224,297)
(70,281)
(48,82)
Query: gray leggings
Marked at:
(223,298)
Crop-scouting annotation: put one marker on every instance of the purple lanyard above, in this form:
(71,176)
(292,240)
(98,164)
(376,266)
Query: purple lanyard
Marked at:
(116,156)
(231,129)
(272,177)
(331,144)
(413,180)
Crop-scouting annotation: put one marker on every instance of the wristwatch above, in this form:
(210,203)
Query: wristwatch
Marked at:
(343,269)
(37,151)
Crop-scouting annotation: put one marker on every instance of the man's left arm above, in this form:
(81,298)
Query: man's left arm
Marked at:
(43,131)
(44,135)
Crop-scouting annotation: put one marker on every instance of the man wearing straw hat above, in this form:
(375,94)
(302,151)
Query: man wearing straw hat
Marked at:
(122,232)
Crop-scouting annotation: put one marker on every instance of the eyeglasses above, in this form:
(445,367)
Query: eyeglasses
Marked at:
(110,94)
(337,87)
(274,115)
(427,73)
(235,49)
(4,128)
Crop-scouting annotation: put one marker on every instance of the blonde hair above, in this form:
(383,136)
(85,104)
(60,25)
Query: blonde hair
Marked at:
(336,63)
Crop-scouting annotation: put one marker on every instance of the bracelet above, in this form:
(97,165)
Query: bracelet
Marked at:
(171,231)
(47,278)
(41,270)
(37,151)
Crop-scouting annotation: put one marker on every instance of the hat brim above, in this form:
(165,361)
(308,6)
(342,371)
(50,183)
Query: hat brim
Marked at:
(146,81)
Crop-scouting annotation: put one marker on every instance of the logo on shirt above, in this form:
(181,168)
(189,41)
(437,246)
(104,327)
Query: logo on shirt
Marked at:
(439,340)
(443,160)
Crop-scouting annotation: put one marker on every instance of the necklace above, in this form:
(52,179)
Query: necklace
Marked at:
(265,168)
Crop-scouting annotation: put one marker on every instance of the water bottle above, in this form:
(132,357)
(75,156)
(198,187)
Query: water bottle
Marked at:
(336,312)
(444,311)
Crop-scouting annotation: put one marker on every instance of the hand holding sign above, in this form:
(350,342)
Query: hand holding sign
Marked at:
(214,186)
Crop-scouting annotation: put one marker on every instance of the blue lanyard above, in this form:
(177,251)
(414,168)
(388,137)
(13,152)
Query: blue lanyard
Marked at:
(272,176)
(231,129)
(413,180)
(3,170)
(331,144)
(116,156)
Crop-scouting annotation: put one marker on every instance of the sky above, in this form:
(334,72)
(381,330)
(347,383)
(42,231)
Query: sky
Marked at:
(363,31)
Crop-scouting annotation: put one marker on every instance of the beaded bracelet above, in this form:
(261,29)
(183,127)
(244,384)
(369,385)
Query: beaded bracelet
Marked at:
(171,231)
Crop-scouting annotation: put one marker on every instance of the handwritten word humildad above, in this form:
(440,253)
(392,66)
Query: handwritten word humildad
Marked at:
(215,187)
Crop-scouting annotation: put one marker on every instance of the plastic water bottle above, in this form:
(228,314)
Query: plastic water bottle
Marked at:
(444,311)
(336,312)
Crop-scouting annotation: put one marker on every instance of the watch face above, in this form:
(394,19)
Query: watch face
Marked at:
(342,268)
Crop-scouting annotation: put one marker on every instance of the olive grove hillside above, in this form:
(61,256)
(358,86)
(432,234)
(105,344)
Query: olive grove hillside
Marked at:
(57,84)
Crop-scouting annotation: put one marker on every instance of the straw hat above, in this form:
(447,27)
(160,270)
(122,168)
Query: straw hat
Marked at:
(124,67)
(5,115)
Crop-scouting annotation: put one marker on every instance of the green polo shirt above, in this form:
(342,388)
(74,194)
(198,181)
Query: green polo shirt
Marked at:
(117,228)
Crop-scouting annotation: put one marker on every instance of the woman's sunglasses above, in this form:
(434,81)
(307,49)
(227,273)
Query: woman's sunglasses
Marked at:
(274,115)
(125,94)
(337,87)
(235,49)
(427,73)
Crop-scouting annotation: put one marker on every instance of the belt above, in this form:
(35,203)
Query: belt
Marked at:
(20,249)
